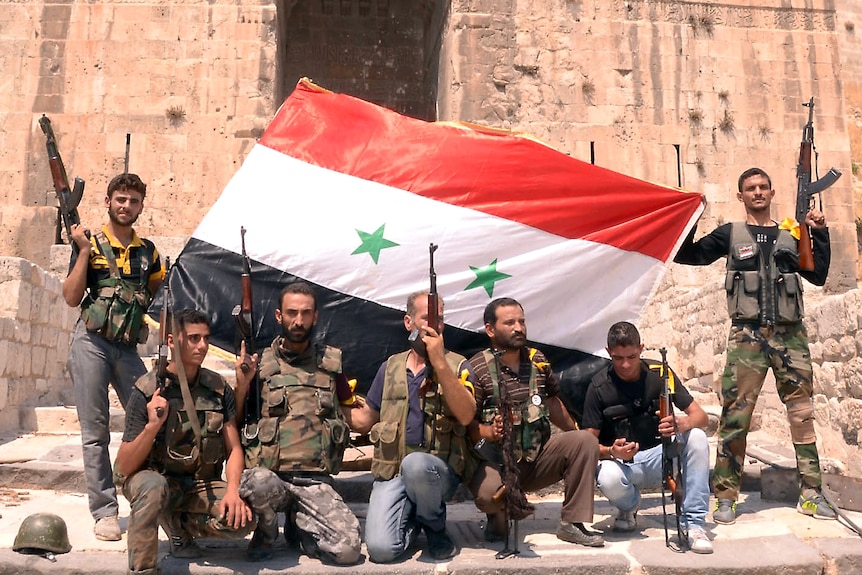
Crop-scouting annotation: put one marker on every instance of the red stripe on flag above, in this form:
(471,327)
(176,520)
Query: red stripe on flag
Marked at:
(494,172)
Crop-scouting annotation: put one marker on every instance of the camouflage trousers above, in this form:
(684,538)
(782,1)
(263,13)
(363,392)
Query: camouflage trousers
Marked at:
(189,504)
(751,351)
(314,512)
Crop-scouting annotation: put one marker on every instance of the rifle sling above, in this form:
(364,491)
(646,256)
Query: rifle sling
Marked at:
(188,401)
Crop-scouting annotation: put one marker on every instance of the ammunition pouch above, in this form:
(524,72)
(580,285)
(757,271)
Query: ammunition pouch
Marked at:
(117,312)
(742,289)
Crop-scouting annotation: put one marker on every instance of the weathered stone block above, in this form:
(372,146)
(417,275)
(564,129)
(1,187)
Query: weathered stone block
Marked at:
(37,360)
(831,350)
(851,373)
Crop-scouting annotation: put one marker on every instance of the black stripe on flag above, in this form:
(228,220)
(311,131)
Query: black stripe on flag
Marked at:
(207,277)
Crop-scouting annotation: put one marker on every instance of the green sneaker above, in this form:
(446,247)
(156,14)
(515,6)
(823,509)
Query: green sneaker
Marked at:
(725,512)
(815,506)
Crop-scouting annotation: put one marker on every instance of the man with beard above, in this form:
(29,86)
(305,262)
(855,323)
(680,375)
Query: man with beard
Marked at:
(542,459)
(118,271)
(416,412)
(299,440)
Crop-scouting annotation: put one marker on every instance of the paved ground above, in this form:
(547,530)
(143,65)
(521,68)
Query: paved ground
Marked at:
(45,473)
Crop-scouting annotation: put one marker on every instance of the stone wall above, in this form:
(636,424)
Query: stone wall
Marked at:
(35,325)
(694,325)
(191,80)
(675,92)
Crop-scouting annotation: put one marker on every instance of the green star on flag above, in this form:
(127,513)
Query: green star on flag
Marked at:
(373,243)
(486,277)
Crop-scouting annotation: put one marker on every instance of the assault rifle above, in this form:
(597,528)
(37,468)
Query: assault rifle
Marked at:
(515,504)
(415,339)
(67,199)
(243,314)
(805,188)
(164,330)
(671,450)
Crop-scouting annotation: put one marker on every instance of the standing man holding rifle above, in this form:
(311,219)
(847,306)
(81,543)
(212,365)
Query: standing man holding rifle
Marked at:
(417,410)
(112,276)
(765,260)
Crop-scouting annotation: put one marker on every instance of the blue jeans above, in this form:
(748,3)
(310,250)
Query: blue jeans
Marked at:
(93,363)
(620,482)
(400,506)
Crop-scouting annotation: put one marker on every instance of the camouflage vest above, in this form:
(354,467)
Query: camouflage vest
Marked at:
(301,427)
(115,308)
(175,451)
(388,435)
(757,290)
(531,423)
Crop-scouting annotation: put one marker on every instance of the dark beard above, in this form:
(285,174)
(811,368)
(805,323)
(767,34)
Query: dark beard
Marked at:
(116,221)
(296,338)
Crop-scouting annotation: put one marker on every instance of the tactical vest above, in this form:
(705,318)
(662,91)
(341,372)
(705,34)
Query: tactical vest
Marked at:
(301,427)
(760,291)
(635,420)
(115,308)
(388,434)
(531,423)
(175,451)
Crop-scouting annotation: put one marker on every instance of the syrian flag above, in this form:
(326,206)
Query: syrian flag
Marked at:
(347,196)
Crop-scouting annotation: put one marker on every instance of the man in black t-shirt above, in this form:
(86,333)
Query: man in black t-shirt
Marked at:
(170,463)
(621,410)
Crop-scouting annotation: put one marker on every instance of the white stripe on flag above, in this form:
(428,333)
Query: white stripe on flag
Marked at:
(303,219)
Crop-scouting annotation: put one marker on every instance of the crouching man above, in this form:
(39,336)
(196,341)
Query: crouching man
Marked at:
(172,463)
(621,409)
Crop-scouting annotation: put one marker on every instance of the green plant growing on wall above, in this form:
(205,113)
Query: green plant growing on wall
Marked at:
(695,116)
(859,234)
(176,115)
(588,88)
(724,97)
(701,167)
(854,168)
(765,132)
(707,22)
(725,124)
(849,26)
(693,22)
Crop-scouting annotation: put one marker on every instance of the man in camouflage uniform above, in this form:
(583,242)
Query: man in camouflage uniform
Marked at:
(299,440)
(542,459)
(172,468)
(416,411)
(112,275)
(764,298)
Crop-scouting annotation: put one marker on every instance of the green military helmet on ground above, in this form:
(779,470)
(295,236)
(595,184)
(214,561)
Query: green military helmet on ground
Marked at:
(42,534)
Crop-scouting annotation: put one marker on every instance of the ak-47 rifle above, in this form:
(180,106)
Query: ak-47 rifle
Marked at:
(415,339)
(515,504)
(671,450)
(67,199)
(243,314)
(805,188)
(164,330)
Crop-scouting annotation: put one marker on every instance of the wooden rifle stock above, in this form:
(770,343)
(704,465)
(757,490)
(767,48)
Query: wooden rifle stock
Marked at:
(243,315)
(805,189)
(433,297)
(67,199)
(803,203)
